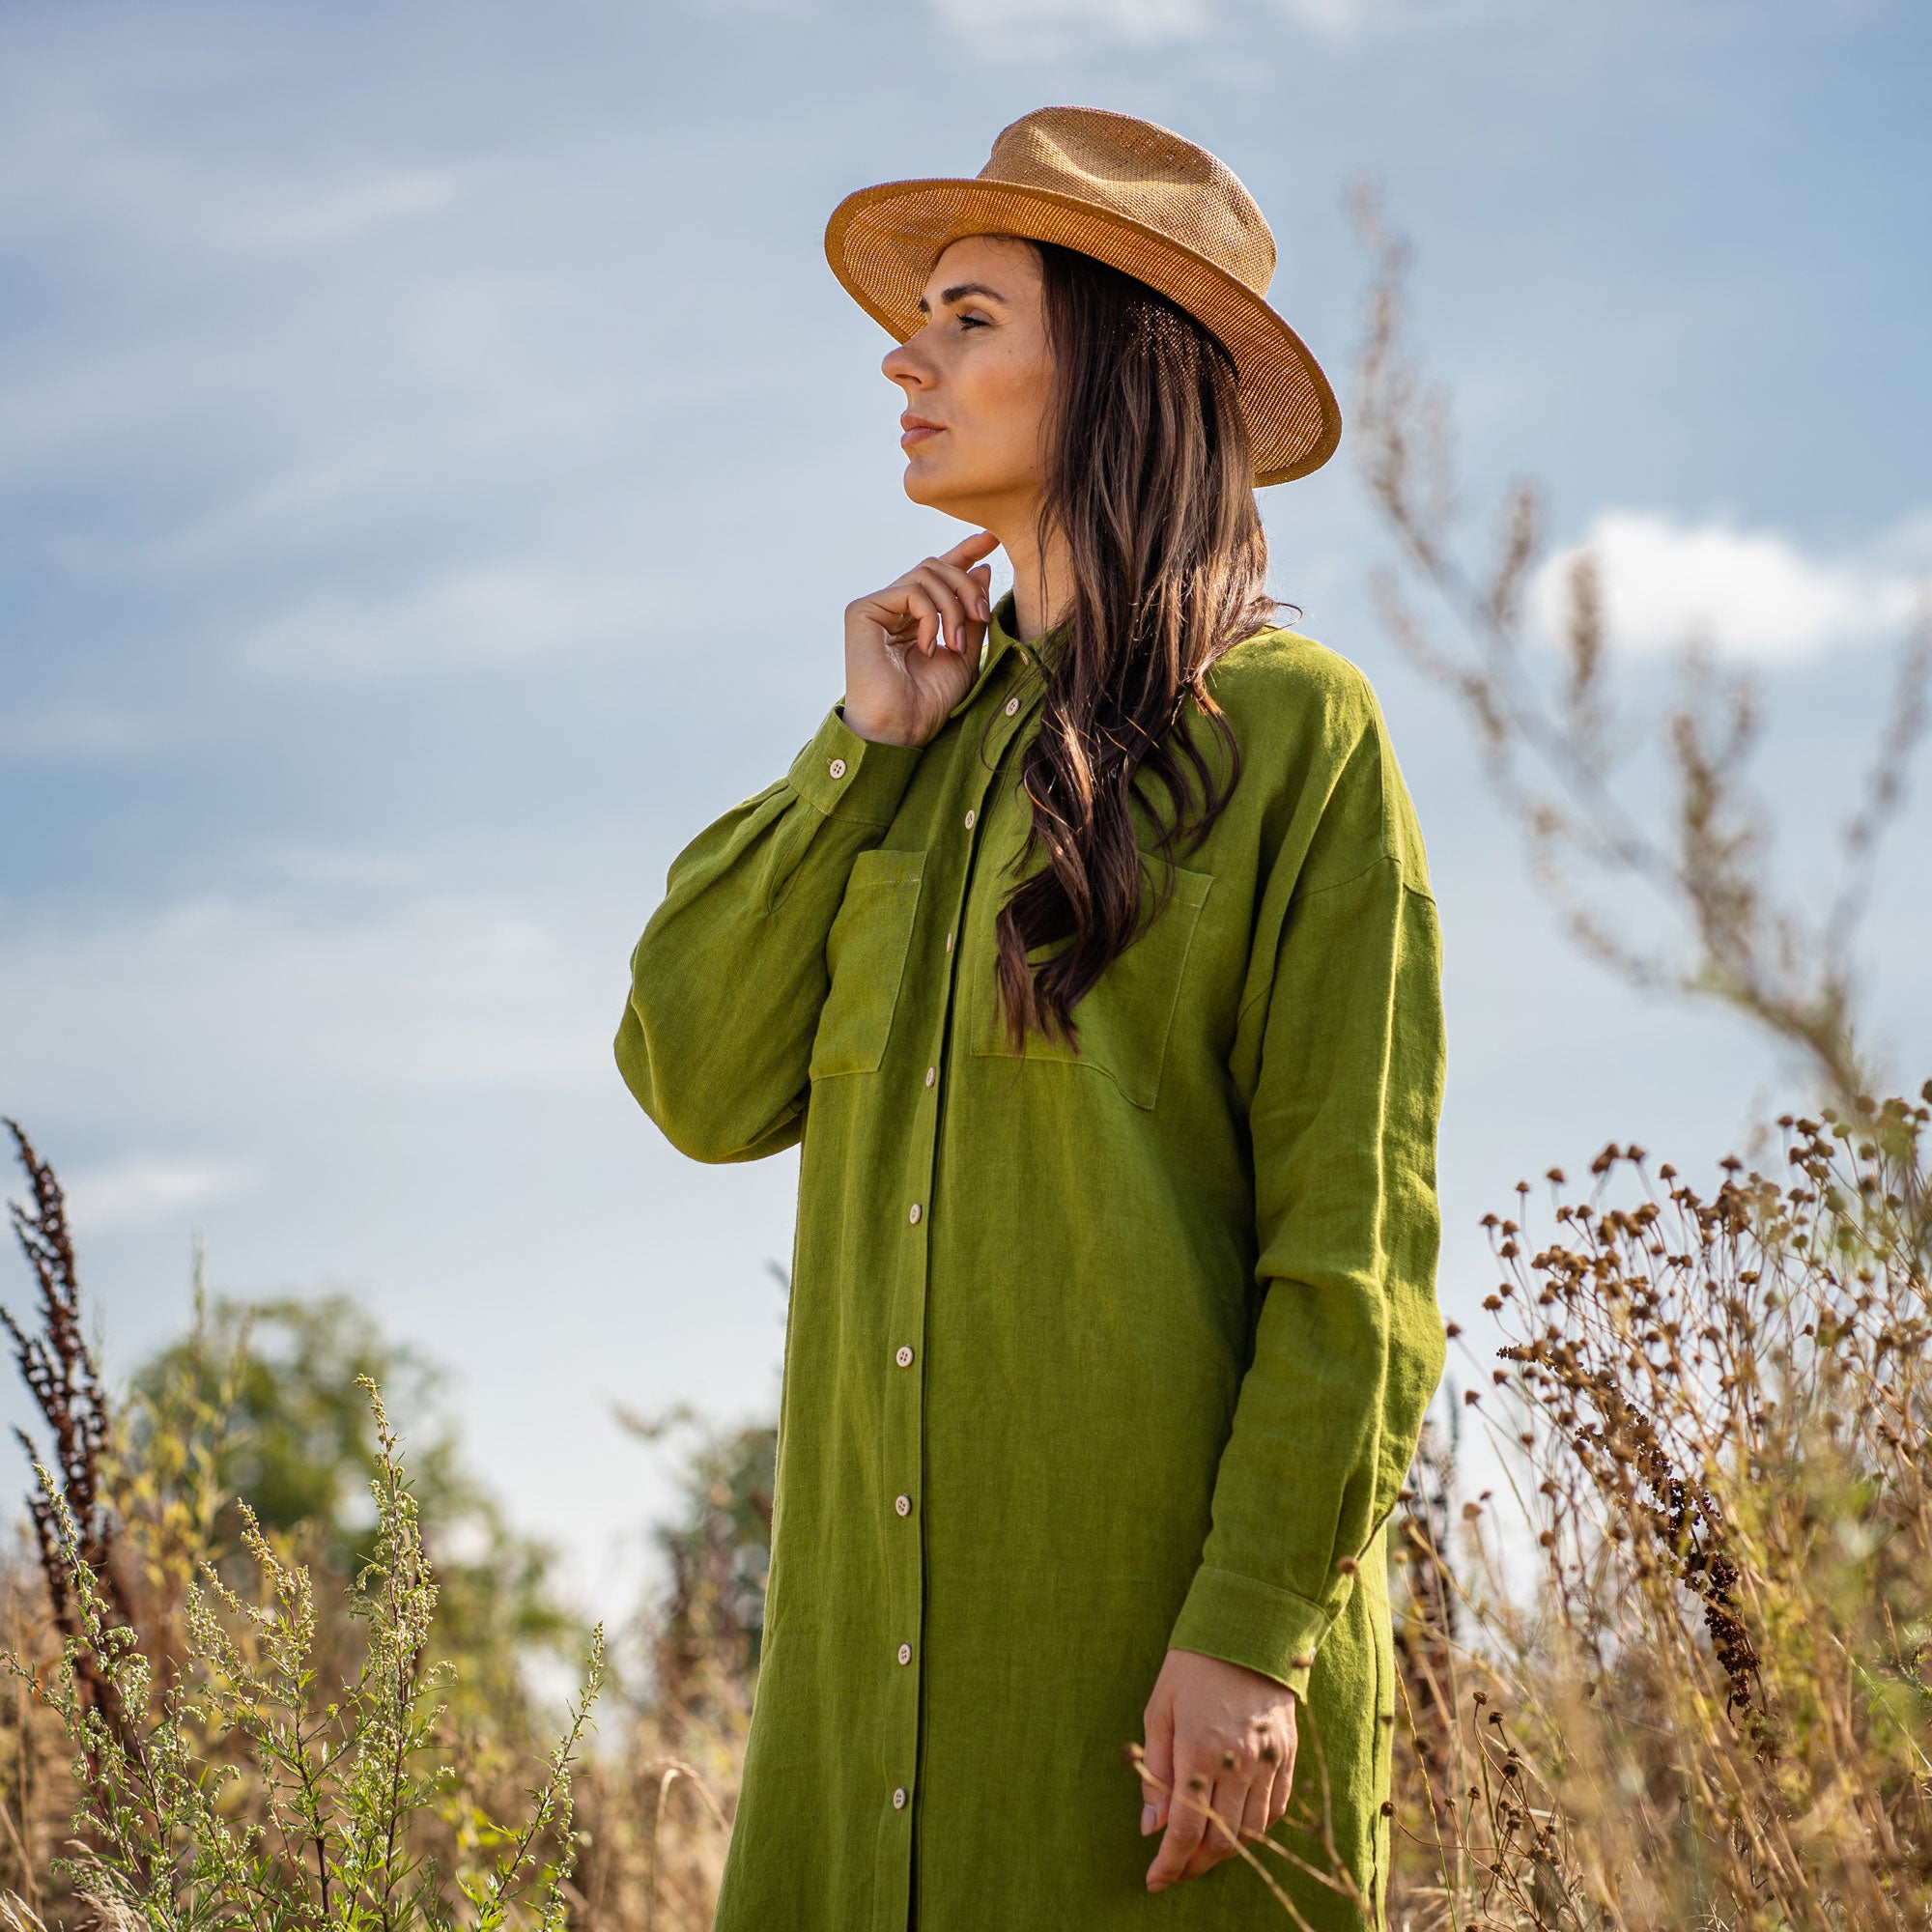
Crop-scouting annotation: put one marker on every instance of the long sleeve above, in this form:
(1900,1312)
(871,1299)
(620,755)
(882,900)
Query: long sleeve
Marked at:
(1345,1055)
(729,980)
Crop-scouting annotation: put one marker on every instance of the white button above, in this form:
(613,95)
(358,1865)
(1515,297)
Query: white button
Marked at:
(913,1218)
(898,1799)
(1013,705)
(904,1356)
(949,942)
(905,1652)
(903,1504)
(837,768)
(970,816)
(932,1074)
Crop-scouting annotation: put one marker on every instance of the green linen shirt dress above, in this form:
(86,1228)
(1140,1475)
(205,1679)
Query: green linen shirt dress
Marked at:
(1090,1353)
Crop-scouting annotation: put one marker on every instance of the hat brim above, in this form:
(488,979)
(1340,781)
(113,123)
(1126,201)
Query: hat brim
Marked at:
(882,243)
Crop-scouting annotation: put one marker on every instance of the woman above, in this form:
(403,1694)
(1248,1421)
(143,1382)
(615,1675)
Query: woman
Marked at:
(1088,949)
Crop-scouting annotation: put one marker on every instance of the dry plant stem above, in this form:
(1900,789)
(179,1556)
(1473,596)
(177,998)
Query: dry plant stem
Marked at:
(1134,1756)
(1558,759)
(1720,1701)
(21,1834)
(668,1772)
(58,1369)
(1425,1633)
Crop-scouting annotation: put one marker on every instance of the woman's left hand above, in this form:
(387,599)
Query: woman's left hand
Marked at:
(1232,1731)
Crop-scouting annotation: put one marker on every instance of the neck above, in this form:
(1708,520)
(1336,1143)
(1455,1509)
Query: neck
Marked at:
(1043,576)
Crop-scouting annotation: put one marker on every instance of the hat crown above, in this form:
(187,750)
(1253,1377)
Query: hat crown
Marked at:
(1145,173)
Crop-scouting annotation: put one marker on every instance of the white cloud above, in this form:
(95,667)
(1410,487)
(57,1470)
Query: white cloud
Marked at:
(474,615)
(147,1188)
(72,167)
(304,502)
(1037,29)
(75,727)
(1328,16)
(294,995)
(293,217)
(1023,30)
(1747,594)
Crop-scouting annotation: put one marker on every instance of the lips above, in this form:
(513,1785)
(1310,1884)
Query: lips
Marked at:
(917,430)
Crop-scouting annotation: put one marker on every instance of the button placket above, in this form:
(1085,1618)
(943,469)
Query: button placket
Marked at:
(904,1469)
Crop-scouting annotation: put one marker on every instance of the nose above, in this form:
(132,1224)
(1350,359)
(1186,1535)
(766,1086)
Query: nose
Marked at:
(905,365)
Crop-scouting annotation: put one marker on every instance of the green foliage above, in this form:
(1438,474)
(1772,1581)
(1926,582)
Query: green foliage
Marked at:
(299,1446)
(243,1793)
(720,1553)
(266,1396)
(707,1635)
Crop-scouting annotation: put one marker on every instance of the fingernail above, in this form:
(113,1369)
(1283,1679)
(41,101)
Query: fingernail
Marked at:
(1148,1817)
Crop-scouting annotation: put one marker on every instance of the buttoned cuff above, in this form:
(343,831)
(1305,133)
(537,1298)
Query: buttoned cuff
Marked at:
(849,776)
(1254,1623)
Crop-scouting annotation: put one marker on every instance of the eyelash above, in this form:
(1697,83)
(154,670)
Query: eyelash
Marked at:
(973,322)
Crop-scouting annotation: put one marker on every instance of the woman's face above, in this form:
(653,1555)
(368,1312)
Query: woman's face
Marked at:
(977,378)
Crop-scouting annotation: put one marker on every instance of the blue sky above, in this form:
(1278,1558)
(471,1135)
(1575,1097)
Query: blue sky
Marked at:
(433,457)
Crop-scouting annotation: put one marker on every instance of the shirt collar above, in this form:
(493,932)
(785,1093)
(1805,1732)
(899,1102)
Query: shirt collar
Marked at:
(999,641)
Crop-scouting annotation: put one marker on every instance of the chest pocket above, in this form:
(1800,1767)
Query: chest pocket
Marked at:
(1124,1020)
(866,955)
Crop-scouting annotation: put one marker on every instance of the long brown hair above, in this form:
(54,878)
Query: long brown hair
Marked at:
(1149,484)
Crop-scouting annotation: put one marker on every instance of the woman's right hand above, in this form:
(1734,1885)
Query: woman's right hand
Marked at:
(911,650)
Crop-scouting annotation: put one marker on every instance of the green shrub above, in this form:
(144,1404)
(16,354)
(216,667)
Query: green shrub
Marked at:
(243,1791)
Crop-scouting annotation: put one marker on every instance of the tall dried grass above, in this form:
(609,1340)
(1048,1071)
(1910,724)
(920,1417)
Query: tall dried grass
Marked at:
(1709,1705)
(1713,1708)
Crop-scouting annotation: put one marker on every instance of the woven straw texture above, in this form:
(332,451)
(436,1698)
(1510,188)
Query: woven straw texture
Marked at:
(1136,196)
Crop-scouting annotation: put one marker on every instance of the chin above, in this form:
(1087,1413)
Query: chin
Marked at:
(924,488)
(933,492)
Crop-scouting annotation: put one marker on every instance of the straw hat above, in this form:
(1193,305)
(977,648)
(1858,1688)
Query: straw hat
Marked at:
(1133,195)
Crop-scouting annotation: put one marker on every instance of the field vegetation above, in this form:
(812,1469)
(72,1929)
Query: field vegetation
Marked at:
(1669,1671)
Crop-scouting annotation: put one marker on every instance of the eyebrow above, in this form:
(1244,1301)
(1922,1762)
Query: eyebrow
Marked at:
(960,293)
